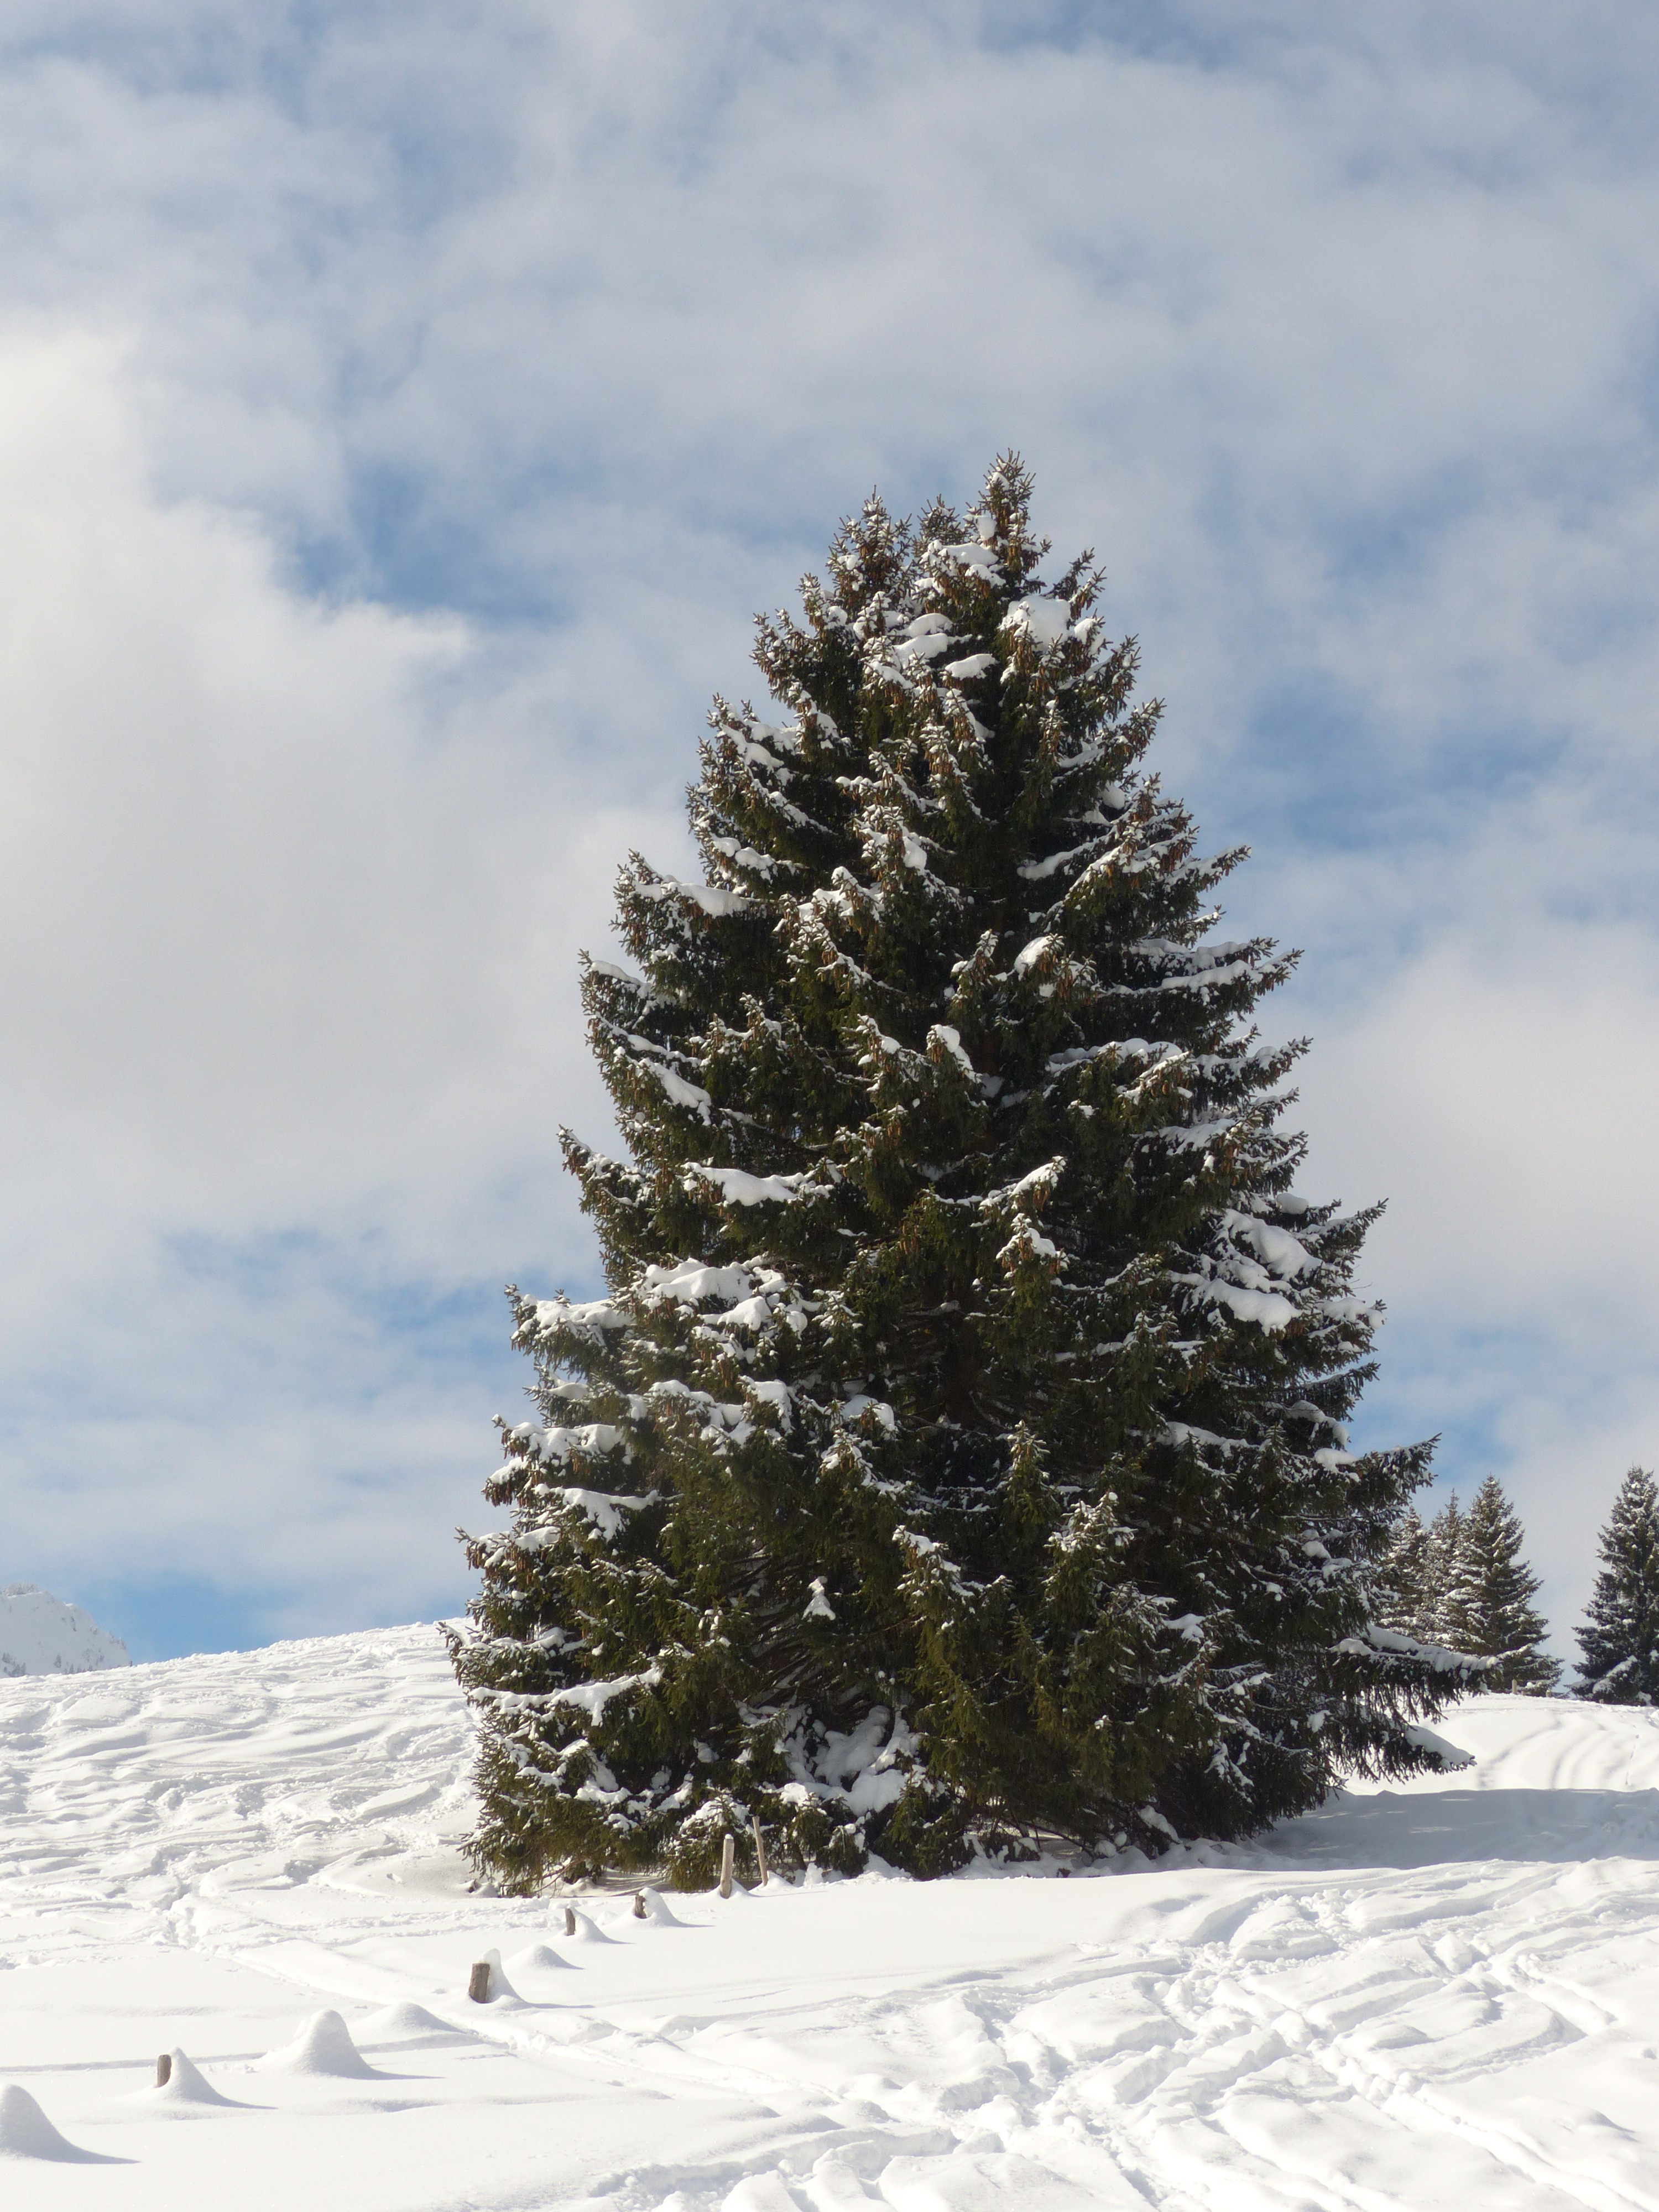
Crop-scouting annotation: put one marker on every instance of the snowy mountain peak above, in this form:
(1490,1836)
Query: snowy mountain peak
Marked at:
(40,1634)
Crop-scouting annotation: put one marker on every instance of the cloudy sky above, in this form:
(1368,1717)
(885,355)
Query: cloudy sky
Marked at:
(403,409)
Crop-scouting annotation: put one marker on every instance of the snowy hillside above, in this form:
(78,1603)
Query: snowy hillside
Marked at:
(1443,1996)
(40,1634)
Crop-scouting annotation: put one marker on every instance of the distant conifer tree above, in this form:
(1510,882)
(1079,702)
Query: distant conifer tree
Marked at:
(1620,1636)
(1406,1597)
(957,1456)
(1436,1620)
(1487,1606)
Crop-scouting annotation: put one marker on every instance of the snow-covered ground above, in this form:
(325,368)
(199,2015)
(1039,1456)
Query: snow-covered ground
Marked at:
(40,1634)
(1446,1996)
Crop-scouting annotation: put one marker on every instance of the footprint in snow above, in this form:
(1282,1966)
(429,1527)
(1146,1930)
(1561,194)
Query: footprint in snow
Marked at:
(1280,1929)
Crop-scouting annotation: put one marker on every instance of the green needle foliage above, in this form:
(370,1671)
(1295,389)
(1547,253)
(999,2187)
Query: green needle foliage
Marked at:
(1620,1636)
(958,1457)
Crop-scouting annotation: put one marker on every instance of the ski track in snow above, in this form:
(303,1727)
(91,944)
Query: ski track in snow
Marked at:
(1445,1995)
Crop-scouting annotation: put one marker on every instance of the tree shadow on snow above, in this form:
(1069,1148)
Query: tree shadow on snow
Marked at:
(1460,1826)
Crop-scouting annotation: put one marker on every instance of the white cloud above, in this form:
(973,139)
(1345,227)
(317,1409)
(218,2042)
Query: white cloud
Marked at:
(246,865)
(290,898)
(1499,1085)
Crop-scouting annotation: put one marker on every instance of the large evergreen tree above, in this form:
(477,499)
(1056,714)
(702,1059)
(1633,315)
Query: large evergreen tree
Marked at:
(1486,1605)
(958,1455)
(1620,1636)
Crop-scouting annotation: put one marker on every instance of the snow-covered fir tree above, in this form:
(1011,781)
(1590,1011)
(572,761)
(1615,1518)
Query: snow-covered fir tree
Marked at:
(1487,1607)
(1436,1620)
(1405,1598)
(1620,1636)
(958,1455)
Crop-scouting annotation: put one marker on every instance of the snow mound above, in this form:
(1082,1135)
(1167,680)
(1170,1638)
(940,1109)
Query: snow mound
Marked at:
(585,1931)
(657,1913)
(539,1959)
(40,1634)
(403,2023)
(322,2044)
(26,2132)
(185,2085)
(502,1990)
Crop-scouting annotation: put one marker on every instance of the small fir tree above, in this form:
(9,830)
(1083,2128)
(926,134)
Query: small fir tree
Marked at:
(958,1456)
(1488,1605)
(1620,1636)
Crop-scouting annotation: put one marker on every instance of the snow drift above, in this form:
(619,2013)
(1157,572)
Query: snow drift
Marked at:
(1437,1998)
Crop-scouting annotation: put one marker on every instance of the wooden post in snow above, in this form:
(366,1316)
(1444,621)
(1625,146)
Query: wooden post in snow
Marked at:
(164,2070)
(727,1848)
(760,1845)
(477,1987)
(569,1922)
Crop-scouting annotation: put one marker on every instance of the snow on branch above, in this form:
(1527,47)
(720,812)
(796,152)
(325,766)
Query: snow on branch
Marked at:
(1281,1254)
(1268,1310)
(694,1284)
(710,898)
(1047,622)
(979,560)
(757,1297)
(1451,1756)
(605,1509)
(737,1187)
(587,1324)
(1392,1642)
(551,1447)
(592,1698)
(1036,871)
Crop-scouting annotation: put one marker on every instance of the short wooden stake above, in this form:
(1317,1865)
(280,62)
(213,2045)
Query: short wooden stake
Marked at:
(569,1922)
(164,2070)
(760,1845)
(639,1905)
(727,1848)
(477,1987)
